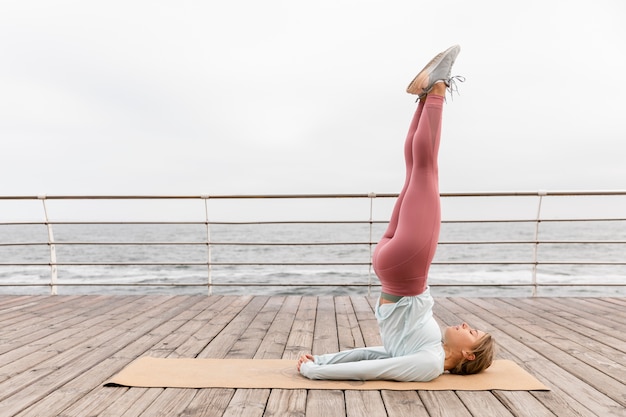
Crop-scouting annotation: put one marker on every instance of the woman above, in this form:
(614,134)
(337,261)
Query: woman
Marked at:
(413,346)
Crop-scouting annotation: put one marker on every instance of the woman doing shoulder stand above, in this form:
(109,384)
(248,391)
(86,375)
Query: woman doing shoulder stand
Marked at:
(413,348)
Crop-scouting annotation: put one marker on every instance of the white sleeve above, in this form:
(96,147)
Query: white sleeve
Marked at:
(373,364)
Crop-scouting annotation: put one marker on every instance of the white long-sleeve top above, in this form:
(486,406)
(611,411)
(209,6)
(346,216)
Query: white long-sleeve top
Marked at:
(411,351)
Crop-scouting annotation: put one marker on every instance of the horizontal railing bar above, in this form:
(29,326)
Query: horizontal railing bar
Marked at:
(198,197)
(199,223)
(333,222)
(560,220)
(191,243)
(469,243)
(533,242)
(301,222)
(186,264)
(532,263)
(258,284)
(319,196)
(40,264)
(572,193)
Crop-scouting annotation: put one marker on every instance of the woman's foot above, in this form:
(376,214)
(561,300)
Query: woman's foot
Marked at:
(436,71)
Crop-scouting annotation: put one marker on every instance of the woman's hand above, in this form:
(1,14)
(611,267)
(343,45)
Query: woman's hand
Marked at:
(305,358)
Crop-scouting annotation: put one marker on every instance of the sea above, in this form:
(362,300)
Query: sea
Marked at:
(308,259)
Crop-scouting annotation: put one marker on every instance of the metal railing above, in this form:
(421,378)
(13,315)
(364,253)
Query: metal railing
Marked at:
(210,221)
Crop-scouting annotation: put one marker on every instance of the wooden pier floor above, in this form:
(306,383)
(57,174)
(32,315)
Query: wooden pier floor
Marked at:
(56,352)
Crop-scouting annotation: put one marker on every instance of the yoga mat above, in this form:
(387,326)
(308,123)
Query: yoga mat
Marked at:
(281,373)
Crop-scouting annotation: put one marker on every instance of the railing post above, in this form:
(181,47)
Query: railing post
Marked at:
(53,253)
(371,196)
(208,244)
(541,194)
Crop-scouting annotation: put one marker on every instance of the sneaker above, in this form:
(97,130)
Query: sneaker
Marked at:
(438,69)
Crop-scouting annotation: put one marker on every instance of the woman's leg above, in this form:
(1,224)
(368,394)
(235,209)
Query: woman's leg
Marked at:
(408,159)
(403,256)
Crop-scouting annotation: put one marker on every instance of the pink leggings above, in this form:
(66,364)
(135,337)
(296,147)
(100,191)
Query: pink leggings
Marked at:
(404,254)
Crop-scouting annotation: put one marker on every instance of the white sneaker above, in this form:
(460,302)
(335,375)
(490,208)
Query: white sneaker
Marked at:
(437,70)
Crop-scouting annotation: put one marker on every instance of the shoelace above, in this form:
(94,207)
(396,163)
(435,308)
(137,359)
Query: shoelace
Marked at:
(452,86)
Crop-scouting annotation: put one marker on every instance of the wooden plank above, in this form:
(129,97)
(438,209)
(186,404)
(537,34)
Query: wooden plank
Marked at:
(34,348)
(44,318)
(186,326)
(567,353)
(531,406)
(252,402)
(89,405)
(208,403)
(325,338)
(353,316)
(77,409)
(324,403)
(615,302)
(221,345)
(8,302)
(403,404)
(37,302)
(88,354)
(443,403)
(46,356)
(559,404)
(98,368)
(300,339)
(364,403)
(152,344)
(247,403)
(286,402)
(13,316)
(367,321)
(596,322)
(512,348)
(601,308)
(514,343)
(171,402)
(563,383)
(273,345)
(483,403)
(594,348)
(212,321)
(133,405)
(348,330)
(184,402)
(255,331)
(180,329)
(585,308)
(478,403)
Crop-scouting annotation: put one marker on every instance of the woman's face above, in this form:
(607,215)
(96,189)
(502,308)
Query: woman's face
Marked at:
(462,337)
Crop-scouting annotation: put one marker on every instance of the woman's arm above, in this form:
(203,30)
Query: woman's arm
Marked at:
(352,355)
(373,364)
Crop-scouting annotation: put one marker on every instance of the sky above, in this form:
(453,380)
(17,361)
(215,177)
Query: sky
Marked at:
(263,97)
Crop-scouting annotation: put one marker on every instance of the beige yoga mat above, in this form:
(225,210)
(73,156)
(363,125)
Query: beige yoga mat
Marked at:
(281,373)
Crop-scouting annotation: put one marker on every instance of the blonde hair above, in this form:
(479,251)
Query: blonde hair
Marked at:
(484,351)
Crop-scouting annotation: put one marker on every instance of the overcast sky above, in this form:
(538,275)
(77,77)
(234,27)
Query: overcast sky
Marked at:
(248,96)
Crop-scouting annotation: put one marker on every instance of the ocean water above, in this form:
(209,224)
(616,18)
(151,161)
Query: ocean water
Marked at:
(494,264)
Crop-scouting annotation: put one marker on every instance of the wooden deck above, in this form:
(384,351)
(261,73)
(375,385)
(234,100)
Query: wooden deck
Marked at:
(57,351)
